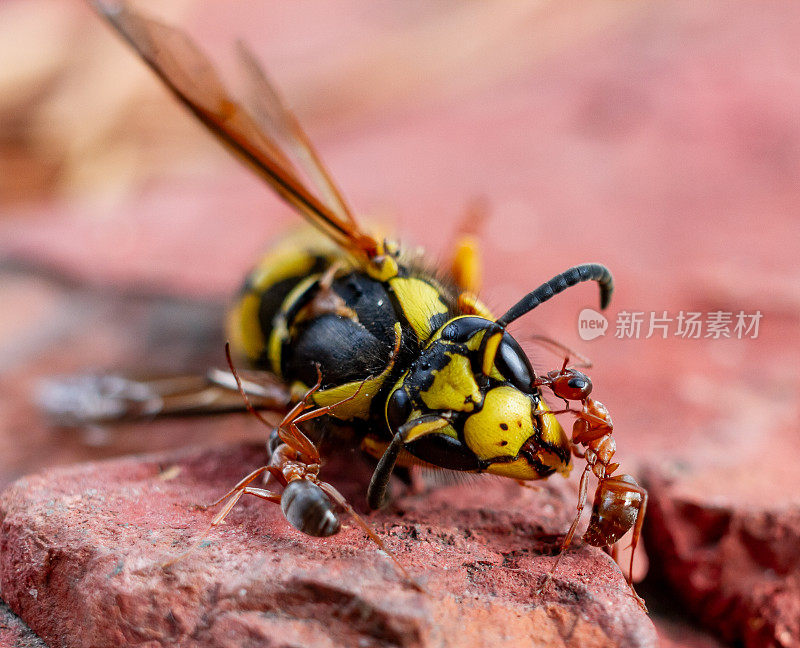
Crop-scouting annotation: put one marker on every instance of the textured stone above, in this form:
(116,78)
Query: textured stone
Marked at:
(732,559)
(14,633)
(90,541)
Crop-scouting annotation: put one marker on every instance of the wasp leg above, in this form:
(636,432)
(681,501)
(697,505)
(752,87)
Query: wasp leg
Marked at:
(93,399)
(379,483)
(466,266)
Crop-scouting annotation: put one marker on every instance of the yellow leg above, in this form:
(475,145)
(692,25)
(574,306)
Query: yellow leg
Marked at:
(466,267)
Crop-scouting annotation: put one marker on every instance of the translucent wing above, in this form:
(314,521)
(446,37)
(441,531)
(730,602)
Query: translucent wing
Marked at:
(187,72)
(269,110)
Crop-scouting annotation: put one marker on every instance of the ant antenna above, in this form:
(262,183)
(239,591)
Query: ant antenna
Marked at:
(247,402)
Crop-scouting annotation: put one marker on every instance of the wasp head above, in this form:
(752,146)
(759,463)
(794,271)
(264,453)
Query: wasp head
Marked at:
(470,402)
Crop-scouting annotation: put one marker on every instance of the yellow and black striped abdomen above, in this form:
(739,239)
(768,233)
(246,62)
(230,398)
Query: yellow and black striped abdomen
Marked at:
(280,272)
(303,308)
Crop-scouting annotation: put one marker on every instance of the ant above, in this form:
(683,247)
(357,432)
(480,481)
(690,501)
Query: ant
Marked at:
(619,502)
(306,501)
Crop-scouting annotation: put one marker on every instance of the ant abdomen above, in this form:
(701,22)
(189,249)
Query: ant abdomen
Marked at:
(615,510)
(308,509)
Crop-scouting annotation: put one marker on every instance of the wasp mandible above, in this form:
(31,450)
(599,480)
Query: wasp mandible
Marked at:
(405,362)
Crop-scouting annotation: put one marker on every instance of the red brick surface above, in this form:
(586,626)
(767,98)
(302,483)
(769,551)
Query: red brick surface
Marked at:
(89,542)
(14,633)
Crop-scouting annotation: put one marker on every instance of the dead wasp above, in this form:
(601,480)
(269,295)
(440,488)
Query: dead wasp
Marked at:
(408,362)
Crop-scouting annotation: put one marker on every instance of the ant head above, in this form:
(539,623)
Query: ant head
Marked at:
(571,384)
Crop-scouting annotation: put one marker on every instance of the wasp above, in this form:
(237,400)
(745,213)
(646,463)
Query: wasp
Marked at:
(355,336)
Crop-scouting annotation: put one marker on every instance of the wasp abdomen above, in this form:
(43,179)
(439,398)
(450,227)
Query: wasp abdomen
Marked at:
(308,509)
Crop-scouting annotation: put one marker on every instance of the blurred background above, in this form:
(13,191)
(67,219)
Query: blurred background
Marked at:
(661,139)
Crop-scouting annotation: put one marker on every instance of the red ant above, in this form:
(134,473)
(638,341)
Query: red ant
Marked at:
(619,502)
(306,501)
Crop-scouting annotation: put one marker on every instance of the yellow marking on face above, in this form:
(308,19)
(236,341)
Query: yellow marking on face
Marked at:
(454,387)
(419,301)
(490,353)
(552,432)
(517,469)
(501,427)
(244,328)
(440,426)
(473,344)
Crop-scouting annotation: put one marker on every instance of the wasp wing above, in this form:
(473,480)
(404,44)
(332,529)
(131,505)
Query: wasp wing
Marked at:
(81,400)
(270,111)
(191,77)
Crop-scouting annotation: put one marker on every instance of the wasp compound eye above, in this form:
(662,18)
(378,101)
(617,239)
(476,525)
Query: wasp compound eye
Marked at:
(513,364)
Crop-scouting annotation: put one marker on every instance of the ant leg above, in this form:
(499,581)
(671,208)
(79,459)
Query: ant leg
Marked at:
(219,518)
(295,438)
(566,410)
(582,493)
(337,497)
(291,437)
(588,428)
(239,486)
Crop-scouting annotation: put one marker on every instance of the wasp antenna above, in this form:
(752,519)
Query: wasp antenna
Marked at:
(559,283)
(247,402)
